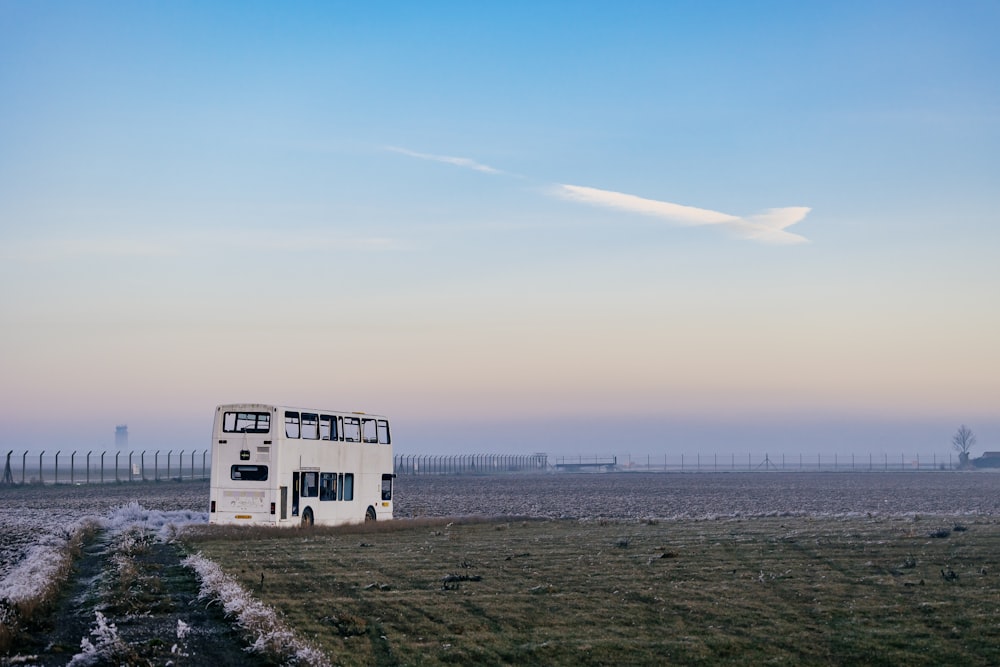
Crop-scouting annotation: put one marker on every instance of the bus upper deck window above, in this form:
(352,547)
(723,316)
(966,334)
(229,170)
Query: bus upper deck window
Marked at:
(291,424)
(246,422)
(310,426)
(327,427)
(352,429)
(368,432)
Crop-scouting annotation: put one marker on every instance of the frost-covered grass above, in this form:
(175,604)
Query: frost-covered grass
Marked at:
(43,528)
(738,591)
(144,522)
(108,648)
(272,637)
(36,579)
(28,514)
(386,597)
(699,495)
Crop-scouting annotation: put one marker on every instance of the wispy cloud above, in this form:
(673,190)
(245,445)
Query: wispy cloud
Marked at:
(463,162)
(767,227)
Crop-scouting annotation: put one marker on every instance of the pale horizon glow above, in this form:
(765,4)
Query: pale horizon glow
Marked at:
(654,228)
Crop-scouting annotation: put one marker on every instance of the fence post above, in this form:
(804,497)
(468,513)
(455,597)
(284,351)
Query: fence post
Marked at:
(8,476)
(24,465)
(72,466)
(142,465)
(204,473)
(58,452)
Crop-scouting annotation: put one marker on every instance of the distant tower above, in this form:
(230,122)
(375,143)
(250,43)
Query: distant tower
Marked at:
(121,436)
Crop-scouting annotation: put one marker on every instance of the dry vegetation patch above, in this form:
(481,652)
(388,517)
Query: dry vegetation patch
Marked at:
(790,589)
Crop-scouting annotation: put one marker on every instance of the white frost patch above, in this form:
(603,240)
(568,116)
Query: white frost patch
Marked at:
(40,566)
(164,524)
(108,649)
(272,636)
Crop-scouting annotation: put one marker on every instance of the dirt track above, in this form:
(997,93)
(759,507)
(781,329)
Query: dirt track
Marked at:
(150,628)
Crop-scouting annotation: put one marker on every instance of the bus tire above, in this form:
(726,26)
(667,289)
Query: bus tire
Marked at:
(307,518)
(370,514)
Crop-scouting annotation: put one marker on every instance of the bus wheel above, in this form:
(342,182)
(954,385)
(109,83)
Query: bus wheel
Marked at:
(307,518)
(370,514)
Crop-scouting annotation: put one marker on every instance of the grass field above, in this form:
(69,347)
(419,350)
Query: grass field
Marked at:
(790,590)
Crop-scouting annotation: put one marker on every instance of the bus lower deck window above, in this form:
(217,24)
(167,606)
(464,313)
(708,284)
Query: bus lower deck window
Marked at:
(247,473)
(328,486)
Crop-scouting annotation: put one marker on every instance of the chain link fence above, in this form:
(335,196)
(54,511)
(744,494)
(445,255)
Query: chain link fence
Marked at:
(92,467)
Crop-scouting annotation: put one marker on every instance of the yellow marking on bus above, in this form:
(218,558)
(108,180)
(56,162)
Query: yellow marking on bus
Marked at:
(243,494)
(385,504)
(243,516)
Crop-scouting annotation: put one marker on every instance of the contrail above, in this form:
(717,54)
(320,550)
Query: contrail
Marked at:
(768,227)
(463,162)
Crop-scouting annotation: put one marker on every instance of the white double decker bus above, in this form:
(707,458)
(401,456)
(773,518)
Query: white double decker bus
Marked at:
(283,466)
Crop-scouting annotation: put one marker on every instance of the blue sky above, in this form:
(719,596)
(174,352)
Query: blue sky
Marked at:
(526,226)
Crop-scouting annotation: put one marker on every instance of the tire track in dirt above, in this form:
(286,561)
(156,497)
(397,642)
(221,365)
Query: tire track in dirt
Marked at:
(158,620)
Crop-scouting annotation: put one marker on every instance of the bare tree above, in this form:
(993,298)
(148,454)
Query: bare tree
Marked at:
(962,441)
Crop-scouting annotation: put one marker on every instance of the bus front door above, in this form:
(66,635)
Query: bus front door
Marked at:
(295,494)
(284,502)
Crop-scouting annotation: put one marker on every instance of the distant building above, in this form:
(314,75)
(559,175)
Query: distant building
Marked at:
(121,436)
(987,460)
